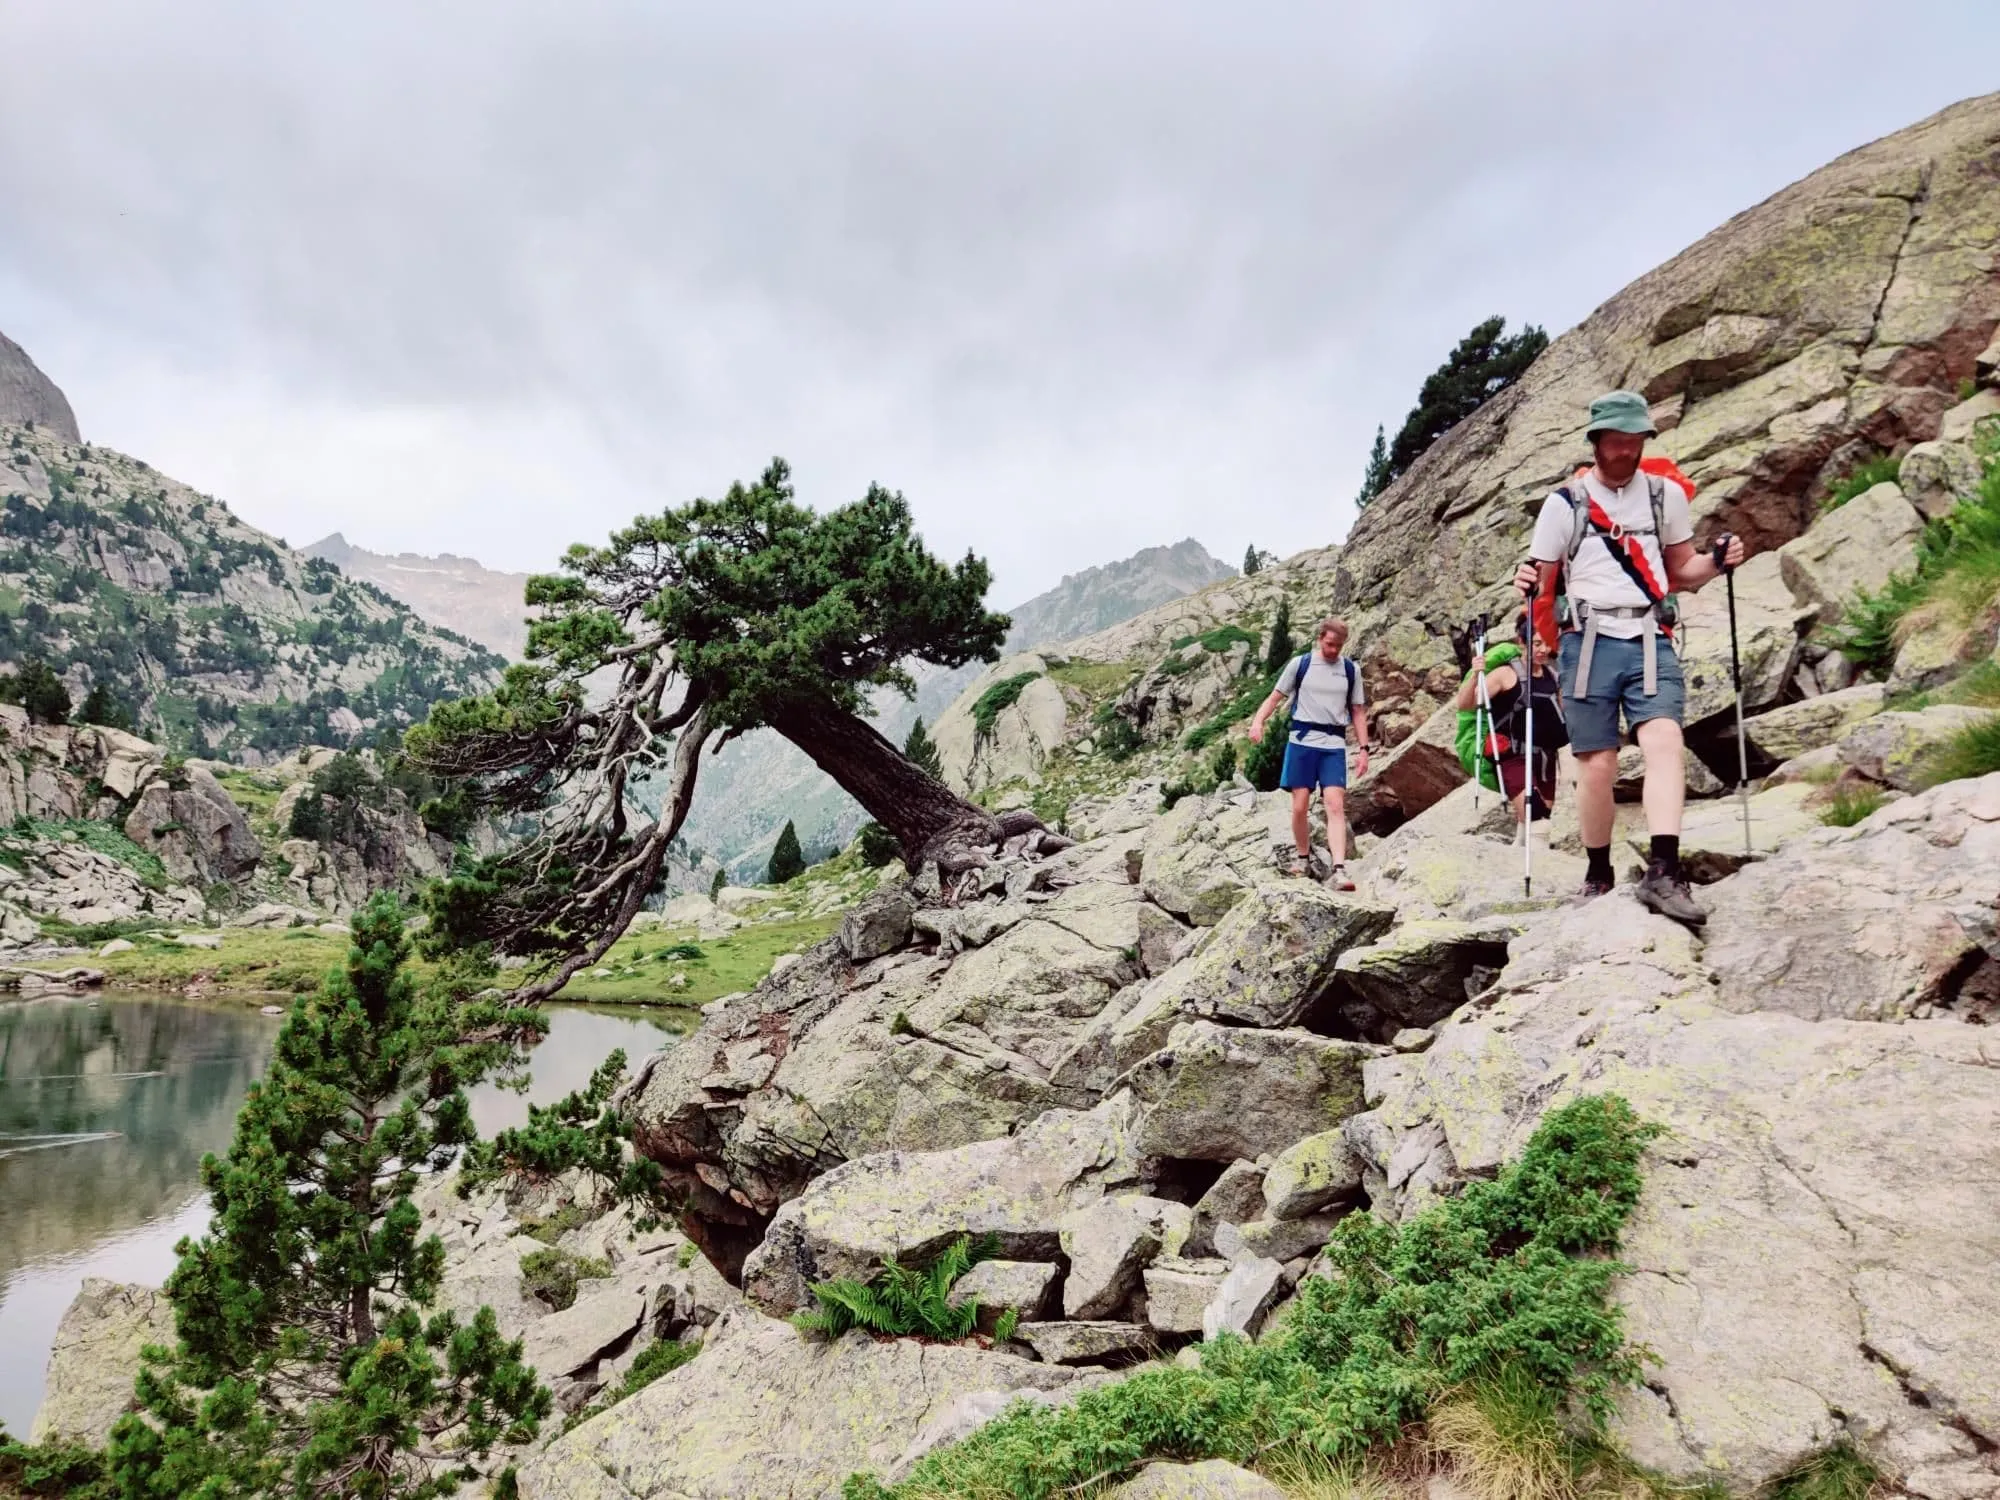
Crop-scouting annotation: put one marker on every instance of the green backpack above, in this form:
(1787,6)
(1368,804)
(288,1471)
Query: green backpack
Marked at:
(1467,739)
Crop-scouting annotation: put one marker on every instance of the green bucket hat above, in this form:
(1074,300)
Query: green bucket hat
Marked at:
(1621,411)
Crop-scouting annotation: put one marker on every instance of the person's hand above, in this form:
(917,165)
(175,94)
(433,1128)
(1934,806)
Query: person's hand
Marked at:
(1526,576)
(1256,731)
(1729,551)
(1360,761)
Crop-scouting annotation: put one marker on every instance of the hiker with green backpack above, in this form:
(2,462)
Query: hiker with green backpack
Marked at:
(1493,709)
(1609,550)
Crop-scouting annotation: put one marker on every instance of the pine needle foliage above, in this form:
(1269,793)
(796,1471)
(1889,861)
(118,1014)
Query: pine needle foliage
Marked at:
(580,1131)
(922,751)
(306,1361)
(788,859)
(1511,1275)
(901,1300)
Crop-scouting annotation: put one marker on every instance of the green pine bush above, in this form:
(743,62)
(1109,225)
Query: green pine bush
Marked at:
(1511,1275)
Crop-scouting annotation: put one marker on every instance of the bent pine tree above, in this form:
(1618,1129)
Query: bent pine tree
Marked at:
(712,619)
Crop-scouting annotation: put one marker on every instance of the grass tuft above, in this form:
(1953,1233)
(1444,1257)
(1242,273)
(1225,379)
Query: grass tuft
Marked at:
(1858,481)
(996,700)
(1502,1439)
(1973,751)
(1838,1473)
(1851,804)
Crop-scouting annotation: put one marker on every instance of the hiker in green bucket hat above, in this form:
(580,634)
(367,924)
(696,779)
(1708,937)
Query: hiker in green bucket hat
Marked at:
(1610,549)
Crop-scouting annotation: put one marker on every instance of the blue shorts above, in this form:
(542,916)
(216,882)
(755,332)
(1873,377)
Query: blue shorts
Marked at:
(1308,766)
(1618,681)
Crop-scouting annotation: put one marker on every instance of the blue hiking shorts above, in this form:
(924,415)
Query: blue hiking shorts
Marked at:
(1618,681)
(1309,766)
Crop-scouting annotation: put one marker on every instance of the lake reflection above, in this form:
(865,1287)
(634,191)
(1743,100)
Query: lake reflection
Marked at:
(107,1105)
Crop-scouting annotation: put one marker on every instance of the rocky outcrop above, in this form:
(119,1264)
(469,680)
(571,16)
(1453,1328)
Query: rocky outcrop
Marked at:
(199,834)
(764,1411)
(1829,323)
(95,1359)
(29,396)
(1807,1245)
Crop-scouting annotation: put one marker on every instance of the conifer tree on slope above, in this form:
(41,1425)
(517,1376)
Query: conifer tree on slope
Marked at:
(308,1363)
(922,751)
(788,860)
(1478,369)
(715,618)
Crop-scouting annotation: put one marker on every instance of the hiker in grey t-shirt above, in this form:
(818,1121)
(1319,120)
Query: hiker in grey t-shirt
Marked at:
(1327,699)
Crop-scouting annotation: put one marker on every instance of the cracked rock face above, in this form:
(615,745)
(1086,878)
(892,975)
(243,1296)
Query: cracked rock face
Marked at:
(1815,1242)
(1829,323)
(766,1412)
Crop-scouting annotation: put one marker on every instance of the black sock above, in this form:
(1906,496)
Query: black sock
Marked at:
(1600,864)
(1667,853)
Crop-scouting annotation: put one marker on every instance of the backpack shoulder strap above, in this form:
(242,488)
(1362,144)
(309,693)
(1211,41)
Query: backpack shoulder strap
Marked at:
(1577,493)
(1352,672)
(1656,491)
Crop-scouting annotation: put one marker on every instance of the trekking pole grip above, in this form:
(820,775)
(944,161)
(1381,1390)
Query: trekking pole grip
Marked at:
(1719,549)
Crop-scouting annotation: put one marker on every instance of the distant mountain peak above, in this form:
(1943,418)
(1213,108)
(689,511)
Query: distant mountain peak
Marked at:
(459,593)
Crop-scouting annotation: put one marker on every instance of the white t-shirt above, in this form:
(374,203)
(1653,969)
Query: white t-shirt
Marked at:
(1325,697)
(1594,575)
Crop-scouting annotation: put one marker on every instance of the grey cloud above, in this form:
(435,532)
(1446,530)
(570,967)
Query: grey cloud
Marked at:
(1078,278)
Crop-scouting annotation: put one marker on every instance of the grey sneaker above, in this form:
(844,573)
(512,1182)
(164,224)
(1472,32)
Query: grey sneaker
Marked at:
(1669,896)
(1340,880)
(1592,889)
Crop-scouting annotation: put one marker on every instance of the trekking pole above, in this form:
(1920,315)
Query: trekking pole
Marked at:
(1528,762)
(1736,679)
(1480,721)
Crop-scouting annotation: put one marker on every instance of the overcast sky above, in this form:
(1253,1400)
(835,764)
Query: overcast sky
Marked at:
(490,277)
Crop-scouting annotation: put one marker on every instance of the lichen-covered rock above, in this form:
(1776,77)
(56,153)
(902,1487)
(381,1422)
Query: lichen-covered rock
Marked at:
(1179,1291)
(1271,956)
(1770,627)
(95,1358)
(601,1320)
(1213,1479)
(1712,834)
(1466,877)
(1810,1241)
(1087,1342)
(1936,476)
(1217,1093)
(910,1204)
(1236,1195)
(1891,747)
(1247,1294)
(1417,975)
(1780,734)
(1311,1174)
(765,1412)
(1021,1287)
(1109,1243)
(1850,551)
(879,925)
(1877,922)
(1020,736)
(1277,1239)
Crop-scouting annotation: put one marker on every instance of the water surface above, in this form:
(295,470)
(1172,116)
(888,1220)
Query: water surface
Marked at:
(107,1105)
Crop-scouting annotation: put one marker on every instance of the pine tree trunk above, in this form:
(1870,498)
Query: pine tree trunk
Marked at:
(928,819)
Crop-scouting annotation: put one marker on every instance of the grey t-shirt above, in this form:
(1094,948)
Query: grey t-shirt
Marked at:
(1324,698)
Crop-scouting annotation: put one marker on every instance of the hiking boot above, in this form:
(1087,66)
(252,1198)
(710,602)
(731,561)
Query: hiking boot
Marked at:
(1669,896)
(1340,880)
(1300,866)
(1592,889)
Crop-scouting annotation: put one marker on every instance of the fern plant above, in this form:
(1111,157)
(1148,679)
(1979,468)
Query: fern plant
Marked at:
(902,1299)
